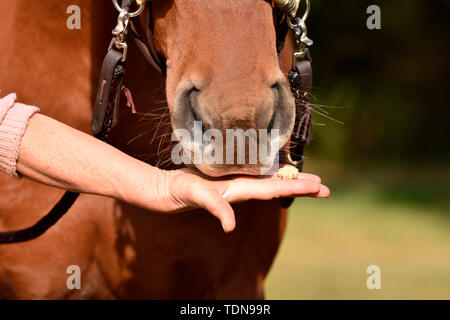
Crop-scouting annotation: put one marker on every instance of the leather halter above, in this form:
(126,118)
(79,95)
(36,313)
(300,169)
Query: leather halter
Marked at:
(106,109)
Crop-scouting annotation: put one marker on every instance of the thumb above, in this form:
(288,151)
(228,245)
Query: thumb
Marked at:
(218,207)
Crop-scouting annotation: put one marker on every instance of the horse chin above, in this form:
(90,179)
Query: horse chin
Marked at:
(221,170)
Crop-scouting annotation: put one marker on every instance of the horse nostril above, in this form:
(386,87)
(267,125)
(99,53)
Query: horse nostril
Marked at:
(193,103)
(276,85)
(271,123)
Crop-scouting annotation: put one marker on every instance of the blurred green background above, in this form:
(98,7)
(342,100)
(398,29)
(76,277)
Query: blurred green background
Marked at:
(381,143)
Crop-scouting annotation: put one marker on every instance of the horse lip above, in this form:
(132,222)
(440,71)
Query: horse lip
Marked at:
(230,172)
(221,170)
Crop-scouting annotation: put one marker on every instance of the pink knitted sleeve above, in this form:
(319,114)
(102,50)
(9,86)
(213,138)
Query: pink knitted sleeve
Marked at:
(13,121)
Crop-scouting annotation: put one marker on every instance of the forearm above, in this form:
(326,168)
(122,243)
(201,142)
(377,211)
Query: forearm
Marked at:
(60,156)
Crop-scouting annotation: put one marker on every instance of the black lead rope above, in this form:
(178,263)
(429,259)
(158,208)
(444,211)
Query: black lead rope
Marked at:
(42,225)
(105,116)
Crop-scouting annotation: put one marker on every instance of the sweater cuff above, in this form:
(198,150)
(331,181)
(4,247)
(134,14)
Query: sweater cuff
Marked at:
(12,129)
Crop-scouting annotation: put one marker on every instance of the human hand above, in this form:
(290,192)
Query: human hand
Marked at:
(188,188)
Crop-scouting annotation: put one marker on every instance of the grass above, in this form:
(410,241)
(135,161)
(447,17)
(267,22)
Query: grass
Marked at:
(330,243)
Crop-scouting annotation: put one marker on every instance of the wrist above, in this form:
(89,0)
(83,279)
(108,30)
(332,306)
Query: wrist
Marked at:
(146,186)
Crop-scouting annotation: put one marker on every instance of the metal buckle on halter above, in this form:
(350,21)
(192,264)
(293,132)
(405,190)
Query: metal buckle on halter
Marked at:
(121,29)
(300,31)
(119,45)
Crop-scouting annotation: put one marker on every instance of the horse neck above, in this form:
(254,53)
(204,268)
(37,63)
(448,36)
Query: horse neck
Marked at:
(49,65)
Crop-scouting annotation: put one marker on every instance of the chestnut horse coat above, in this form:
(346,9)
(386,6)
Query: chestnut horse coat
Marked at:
(122,251)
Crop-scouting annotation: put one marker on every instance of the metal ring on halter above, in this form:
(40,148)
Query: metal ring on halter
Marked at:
(296,24)
(308,8)
(131,14)
(298,164)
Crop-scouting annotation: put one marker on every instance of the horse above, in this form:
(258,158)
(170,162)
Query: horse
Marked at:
(221,56)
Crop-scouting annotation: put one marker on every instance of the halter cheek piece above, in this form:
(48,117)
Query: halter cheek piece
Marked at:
(106,109)
(300,79)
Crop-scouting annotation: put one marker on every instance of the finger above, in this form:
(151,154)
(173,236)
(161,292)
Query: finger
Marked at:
(242,189)
(324,192)
(218,207)
(296,187)
(309,176)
